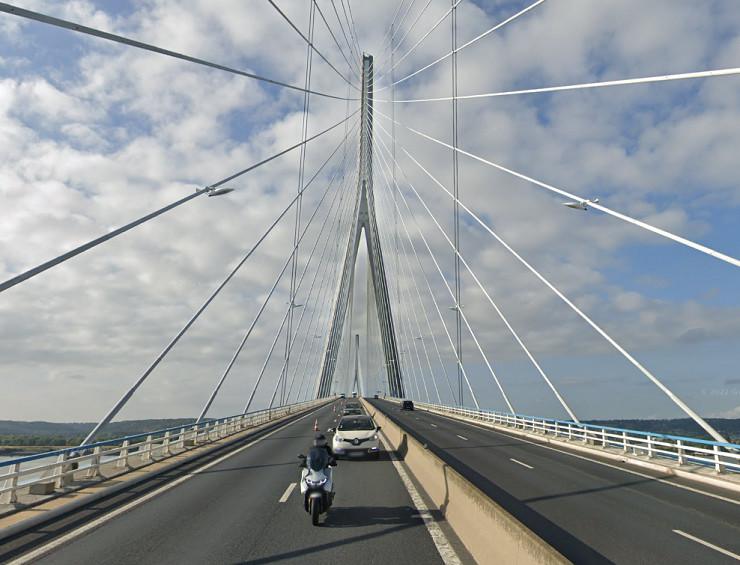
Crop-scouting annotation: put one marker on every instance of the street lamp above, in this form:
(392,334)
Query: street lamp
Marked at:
(213,191)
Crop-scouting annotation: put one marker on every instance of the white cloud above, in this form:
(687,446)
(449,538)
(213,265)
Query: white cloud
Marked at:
(117,132)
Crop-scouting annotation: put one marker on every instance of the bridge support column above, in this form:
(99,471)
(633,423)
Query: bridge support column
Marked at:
(365,223)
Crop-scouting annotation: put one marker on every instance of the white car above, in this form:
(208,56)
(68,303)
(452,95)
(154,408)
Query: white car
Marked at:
(356,436)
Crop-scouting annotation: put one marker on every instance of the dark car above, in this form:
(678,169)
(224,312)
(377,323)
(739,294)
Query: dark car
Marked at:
(407,405)
(375,396)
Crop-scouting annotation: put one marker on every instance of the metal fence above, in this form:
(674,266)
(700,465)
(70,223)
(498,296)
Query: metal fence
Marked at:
(58,466)
(723,457)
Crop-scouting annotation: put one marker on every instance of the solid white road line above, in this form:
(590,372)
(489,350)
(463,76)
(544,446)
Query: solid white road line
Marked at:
(520,463)
(462,437)
(433,425)
(44,549)
(707,544)
(287,492)
(584,458)
(446,551)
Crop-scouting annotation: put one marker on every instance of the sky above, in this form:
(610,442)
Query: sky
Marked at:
(95,134)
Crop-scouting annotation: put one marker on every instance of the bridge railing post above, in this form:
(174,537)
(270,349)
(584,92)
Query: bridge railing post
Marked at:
(94,468)
(166,444)
(61,479)
(603,437)
(11,482)
(146,451)
(649,446)
(718,466)
(181,439)
(123,454)
(680,451)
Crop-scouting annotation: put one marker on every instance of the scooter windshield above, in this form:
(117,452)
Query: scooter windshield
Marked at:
(318,459)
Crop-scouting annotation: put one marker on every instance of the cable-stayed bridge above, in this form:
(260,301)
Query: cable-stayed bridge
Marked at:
(469,475)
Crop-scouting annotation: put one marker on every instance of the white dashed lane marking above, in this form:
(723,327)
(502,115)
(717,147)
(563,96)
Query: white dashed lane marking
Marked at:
(520,463)
(287,492)
(735,556)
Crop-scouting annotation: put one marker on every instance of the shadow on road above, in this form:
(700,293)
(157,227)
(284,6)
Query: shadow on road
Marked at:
(245,467)
(590,490)
(359,516)
(487,446)
(308,553)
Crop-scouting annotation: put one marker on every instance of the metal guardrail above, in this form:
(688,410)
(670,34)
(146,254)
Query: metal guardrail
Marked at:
(156,444)
(723,457)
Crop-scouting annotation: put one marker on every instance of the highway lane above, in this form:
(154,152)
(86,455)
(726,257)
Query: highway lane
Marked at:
(590,512)
(232,513)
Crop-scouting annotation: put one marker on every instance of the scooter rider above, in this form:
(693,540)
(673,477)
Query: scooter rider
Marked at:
(319,442)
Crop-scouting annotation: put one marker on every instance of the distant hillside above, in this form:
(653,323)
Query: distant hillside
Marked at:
(56,434)
(53,433)
(728,427)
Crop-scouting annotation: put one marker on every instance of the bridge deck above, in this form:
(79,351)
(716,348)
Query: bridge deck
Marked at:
(591,511)
(231,513)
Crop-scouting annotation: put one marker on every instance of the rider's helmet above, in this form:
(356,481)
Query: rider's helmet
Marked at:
(319,440)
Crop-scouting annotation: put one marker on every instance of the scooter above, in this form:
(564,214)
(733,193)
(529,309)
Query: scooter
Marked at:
(317,485)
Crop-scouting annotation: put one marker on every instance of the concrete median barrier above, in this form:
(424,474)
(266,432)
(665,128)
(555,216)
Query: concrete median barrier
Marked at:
(489,532)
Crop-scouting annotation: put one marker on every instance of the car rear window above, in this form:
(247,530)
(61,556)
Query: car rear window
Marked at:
(352,424)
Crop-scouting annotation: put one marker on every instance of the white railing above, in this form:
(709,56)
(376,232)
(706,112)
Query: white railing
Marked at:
(723,457)
(58,467)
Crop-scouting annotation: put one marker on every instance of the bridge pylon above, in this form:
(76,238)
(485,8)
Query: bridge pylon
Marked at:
(365,224)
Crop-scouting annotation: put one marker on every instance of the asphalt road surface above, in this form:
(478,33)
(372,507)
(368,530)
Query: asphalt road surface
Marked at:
(232,513)
(590,512)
